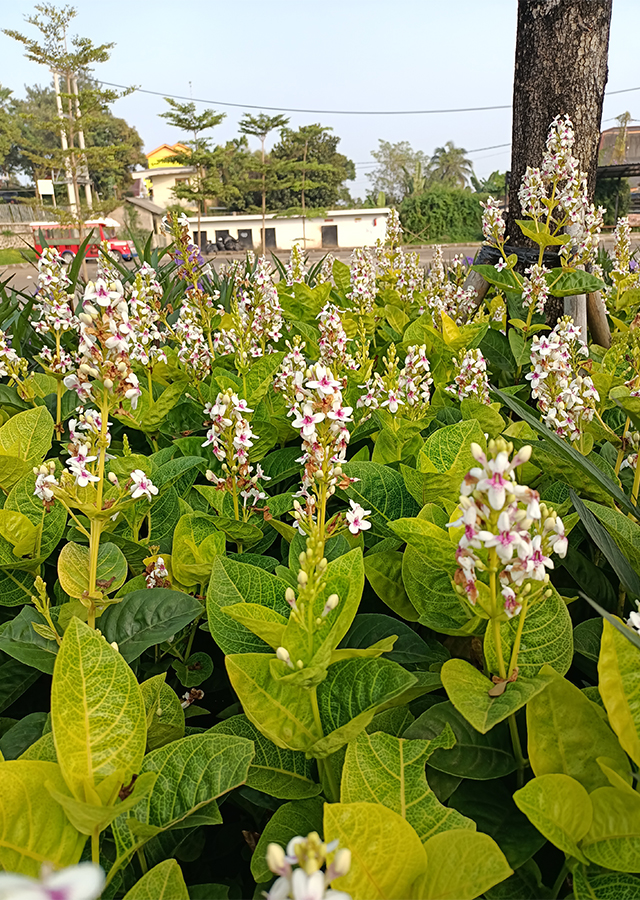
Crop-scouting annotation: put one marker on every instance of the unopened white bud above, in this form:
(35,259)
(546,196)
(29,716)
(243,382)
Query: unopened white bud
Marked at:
(303,578)
(342,862)
(283,654)
(275,858)
(115,646)
(84,369)
(85,318)
(113,478)
(289,596)
(333,601)
(108,383)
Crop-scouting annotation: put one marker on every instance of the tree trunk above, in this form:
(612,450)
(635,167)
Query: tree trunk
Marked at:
(561,67)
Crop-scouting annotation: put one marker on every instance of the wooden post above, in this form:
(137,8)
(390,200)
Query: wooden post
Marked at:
(597,320)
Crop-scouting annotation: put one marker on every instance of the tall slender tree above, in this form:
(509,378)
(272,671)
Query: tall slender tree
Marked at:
(205,184)
(261,126)
(450,165)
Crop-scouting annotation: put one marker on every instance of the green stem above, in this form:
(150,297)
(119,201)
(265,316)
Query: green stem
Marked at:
(518,638)
(622,596)
(324,767)
(557,884)
(495,625)
(194,628)
(142,860)
(517,749)
(95,847)
(94,545)
(621,450)
(636,484)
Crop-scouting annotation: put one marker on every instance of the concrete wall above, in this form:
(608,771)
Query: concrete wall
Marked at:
(355,228)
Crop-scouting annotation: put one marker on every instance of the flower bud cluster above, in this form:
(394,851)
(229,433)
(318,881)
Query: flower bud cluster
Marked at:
(493,224)
(407,386)
(507,520)
(535,289)
(11,365)
(470,380)
(257,320)
(45,480)
(289,379)
(296,270)
(363,281)
(106,337)
(333,339)
(322,418)
(395,268)
(325,275)
(146,315)
(307,880)
(54,302)
(444,290)
(566,397)
(157,575)
(231,437)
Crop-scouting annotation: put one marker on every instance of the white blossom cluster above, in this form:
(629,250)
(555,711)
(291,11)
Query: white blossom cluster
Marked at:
(395,267)
(146,315)
(470,380)
(289,379)
(622,275)
(307,881)
(535,288)
(407,386)
(493,224)
(231,438)
(325,275)
(500,515)
(106,338)
(444,292)
(295,269)
(54,301)
(333,339)
(363,281)
(10,363)
(257,318)
(157,574)
(565,397)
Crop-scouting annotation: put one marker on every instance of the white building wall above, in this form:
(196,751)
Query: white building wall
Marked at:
(355,228)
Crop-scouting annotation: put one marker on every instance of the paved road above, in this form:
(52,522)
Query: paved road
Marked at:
(23,276)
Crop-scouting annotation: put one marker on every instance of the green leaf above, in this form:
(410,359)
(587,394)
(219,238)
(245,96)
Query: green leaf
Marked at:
(73,569)
(622,529)
(430,590)
(567,284)
(619,685)
(540,233)
(381,490)
(478,756)
(560,808)
(618,886)
(429,487)
(519,347)
(20,640)
(19,531)
(28,435)
(468,689)
(380,768)
(15,679)
(409,649)
(50,522)
(384,574)
(191,774)
(547,638)
(350,695)
(289,820)
(197,544)
(461,865)
(281,710)
(342,276)
(194,670)
(22,735)
(16,587)
(33,827)
(150,416)
(266,623)
(504,281)
(567,734)
(602,539)
(163,882)
(96,732)
(235,582)
(147,617)
(260,377)
(387,855)
(613,841)
(491,806)
(447,449)
(164,714)
(240,532)
(586,467)
(281,773)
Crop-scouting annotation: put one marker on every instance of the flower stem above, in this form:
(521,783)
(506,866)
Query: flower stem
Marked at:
(495,625)
(325,768)
(518,638)
(517,749)
(94,546)
(636,483)
(95,847)
(621,450)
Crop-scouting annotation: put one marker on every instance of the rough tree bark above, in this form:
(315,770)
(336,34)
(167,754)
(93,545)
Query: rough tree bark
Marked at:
(561,67)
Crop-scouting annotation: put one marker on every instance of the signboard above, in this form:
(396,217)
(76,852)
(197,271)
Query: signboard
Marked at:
(45,186)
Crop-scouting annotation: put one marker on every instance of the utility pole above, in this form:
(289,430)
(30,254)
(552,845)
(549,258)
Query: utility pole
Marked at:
(65,146)
(85,168)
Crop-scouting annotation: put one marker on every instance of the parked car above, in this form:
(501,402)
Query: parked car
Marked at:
(66,239)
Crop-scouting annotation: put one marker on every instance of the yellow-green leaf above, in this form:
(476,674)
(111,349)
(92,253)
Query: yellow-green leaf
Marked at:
(19,531)
(560,809)
(619,685)
(387,855)
(33,827)
(165,715)
(381,768)
(461,865)
(73,569)
(613,841)
(163,882)
(28,435)
(97,711)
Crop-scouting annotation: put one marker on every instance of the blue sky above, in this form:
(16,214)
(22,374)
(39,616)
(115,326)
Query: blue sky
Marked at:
(337,54)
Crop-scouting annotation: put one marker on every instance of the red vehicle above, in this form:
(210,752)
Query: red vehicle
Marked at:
(66,239)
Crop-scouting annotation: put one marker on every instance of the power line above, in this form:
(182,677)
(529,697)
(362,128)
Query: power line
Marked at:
(337,112)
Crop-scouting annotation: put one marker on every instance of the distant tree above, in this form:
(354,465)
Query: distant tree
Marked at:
(415,181)
(82,103)
(8,132)
(494,184)
(395,164)
(313,171)
(261,126)
(450,165)
(205,182)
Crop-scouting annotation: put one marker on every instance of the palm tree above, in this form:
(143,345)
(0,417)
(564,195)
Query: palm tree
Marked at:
(450,165)
(260,126)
